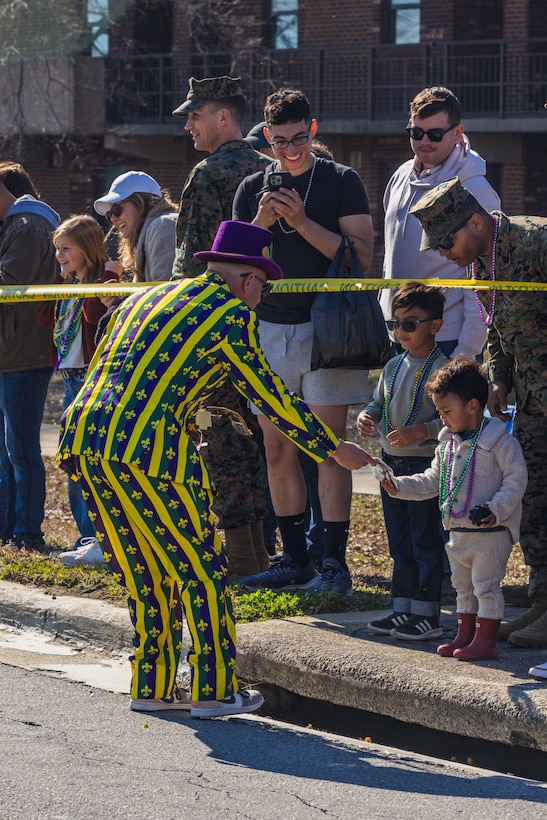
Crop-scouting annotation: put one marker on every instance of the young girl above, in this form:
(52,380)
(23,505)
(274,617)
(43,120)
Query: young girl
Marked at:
(80,251)
(480,476)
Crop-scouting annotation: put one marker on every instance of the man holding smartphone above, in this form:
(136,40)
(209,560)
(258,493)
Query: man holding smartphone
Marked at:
(324,202)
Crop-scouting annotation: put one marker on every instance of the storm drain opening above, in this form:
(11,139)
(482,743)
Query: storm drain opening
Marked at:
(517,760)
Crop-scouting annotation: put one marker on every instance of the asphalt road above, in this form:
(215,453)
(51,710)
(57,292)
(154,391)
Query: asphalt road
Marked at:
(68,750)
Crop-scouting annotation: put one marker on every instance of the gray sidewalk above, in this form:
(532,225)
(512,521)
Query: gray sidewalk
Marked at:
(333,658)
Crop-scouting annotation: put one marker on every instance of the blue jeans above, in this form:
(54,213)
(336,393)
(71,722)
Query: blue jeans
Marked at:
(78,506)
(7,489)
(415,544)
(22,400)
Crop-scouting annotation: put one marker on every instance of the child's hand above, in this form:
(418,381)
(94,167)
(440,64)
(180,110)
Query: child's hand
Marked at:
(404,436)
(365,425)
(389,487)
(490,520)
(108,301)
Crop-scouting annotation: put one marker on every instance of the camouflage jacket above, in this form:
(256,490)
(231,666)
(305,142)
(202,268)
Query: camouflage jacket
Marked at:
(517,337)
(207,199)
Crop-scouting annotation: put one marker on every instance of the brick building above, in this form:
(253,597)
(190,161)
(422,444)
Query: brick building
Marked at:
(87,86)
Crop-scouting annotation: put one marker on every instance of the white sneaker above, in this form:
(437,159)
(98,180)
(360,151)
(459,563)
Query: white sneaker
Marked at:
(178,700)
(539,671)
(246,700)
(89,553)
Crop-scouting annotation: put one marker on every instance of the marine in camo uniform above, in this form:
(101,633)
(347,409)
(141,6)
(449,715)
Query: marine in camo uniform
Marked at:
(214,108)
(511,248)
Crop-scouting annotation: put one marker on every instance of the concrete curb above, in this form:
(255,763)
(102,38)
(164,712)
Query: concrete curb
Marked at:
(334,658)
(78,619)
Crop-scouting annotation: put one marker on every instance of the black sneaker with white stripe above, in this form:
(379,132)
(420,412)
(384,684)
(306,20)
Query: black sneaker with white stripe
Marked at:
(418,628)
(383,626)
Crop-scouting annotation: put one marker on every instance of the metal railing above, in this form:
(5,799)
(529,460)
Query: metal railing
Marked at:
(492,78)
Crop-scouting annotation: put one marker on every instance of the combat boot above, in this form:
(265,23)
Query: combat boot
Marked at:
(517,595)
(261,553)
(484,646)
(241,556)
(533,636)
(539,605)
(466,633)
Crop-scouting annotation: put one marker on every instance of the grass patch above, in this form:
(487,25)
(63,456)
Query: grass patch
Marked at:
(266,605)
(33,569)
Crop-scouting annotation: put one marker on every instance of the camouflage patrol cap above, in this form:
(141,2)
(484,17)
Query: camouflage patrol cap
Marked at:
(440,211)
(208,90)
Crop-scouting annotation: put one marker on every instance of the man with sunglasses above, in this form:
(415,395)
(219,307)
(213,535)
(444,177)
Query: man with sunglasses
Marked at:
(441,151)
(131,438)
(324,201)
(214,109)
(514,248)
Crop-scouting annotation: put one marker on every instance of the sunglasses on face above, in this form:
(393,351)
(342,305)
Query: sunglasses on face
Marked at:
(407,325)
(434,134)
(301,139)
(447,244)
(266,286)
(116,211)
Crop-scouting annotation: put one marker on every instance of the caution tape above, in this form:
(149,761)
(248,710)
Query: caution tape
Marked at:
(42,293)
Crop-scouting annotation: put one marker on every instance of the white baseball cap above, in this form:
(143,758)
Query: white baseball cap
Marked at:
(133,182)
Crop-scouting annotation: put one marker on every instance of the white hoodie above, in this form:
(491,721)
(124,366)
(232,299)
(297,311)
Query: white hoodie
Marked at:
(403,232)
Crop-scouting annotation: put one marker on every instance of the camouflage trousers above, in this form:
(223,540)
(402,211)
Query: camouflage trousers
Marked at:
(236,463)
(530,429)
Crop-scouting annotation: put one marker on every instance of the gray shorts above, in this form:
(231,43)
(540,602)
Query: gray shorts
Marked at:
(288,351)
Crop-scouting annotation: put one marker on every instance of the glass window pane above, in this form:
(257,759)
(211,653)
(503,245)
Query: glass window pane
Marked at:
(284,5)
(407,26)
(286,31)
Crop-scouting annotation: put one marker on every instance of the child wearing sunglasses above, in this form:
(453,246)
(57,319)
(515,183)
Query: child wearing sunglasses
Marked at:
(407,423)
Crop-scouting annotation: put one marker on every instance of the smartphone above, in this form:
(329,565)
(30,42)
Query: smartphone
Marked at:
(279,179)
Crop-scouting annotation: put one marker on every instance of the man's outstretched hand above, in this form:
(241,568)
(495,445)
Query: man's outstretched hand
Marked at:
(351,456)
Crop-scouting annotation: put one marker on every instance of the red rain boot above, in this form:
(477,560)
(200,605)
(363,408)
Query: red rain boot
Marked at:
(466,631)
(484,646)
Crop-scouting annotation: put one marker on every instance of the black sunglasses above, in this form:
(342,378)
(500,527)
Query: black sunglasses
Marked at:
(407,325)
(433,134)
(447,244)
(116,210)
(266,286)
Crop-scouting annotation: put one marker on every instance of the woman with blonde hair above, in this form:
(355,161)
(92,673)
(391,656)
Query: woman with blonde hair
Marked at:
(145,219)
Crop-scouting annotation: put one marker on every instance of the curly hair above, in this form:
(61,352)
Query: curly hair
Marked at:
(149,206)
(461,376)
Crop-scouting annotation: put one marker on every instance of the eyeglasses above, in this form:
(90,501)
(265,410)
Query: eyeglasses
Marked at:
(266,286)
(301,139)
(434,134)
(407,325)
(116,210)
(446,244)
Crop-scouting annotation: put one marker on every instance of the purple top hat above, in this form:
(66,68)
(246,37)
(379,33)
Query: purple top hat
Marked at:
(241,243)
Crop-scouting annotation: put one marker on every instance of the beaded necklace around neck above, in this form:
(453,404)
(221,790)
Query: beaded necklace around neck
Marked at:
(448,493)
(280,221)
(487,318)
(422,376)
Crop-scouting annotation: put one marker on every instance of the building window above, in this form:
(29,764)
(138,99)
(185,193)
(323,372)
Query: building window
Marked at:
(405,21)
(98,24)
(284,23)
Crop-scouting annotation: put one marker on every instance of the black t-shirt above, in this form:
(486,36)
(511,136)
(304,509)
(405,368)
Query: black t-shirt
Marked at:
(336,191)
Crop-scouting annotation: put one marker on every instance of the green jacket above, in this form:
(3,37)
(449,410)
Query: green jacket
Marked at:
(206,200)
(517,338)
